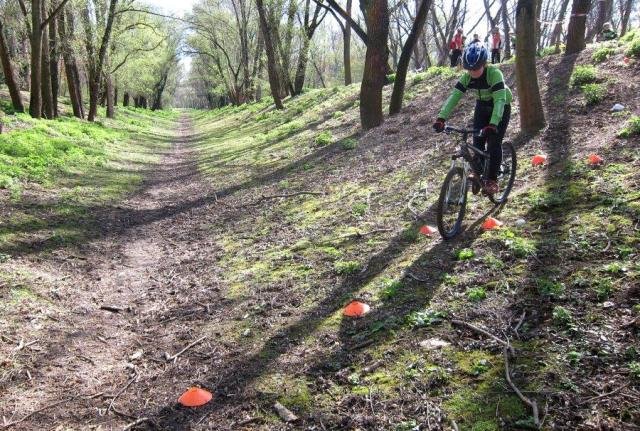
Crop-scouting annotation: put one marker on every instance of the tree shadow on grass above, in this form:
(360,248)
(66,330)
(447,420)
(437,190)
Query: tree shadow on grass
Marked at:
(246,370)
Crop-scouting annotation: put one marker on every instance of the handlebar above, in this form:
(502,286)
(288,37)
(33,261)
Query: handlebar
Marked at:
(450,129)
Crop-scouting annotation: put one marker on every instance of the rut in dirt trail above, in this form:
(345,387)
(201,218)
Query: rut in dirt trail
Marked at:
(153,264)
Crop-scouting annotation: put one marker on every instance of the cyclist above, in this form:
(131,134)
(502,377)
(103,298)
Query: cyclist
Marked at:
(492,111)
(456,45)
(496,45)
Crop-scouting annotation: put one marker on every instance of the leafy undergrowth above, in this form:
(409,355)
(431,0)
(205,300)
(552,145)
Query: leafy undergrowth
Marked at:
(315,215)
(54,174)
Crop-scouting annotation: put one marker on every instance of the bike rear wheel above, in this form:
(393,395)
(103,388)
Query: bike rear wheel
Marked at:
(507,173)
(452,203)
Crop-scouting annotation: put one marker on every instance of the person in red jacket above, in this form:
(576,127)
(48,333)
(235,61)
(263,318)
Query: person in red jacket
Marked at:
(456,46)
(496,45)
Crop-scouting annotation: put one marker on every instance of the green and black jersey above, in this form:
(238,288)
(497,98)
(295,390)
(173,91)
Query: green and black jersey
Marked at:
(490,87)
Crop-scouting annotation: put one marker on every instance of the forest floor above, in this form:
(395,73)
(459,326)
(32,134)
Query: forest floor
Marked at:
(245,239)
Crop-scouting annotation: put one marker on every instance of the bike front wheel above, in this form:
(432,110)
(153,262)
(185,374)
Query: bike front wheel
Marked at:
(507,173)
(452,203)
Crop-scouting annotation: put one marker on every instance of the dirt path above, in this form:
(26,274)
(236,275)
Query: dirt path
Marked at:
(126,296)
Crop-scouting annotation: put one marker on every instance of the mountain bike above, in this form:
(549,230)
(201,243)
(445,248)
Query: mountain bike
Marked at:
(453,195)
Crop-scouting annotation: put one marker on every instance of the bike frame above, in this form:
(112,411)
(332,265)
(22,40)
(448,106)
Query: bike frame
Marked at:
(464,152)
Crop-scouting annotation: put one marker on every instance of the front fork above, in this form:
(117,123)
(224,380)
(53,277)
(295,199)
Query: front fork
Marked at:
(458,160)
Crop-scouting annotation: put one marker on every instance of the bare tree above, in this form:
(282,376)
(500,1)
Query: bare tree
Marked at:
(604,12)
(97,54)
(506,29)
(347,47)
(9,77)
(267,37)
(625,13)
(66,29)
(577,22)
(531,112)
(405,57)
(557,29)
(35,28)
(309,26)
(376,14)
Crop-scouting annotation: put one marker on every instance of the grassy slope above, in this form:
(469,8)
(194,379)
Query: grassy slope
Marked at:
(572,267)
(53,174)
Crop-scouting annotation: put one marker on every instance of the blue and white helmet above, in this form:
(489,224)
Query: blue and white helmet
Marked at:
(475,56)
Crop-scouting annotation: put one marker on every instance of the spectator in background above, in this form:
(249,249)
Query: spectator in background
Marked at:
(607,33)
(455,47)
(495,44)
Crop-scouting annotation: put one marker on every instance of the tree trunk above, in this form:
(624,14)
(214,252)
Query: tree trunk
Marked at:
(405,57)
(577,22)
(624,22)
(70,68)
(53,65)
(506,30)
(45,80)
(9,77)
(35,102)
(284,44)
(604,14)
(557,30)
(274,81)
(531,112)
(158,90)
(125,101)
(94,84)
(376,13)
(109,89)
(538,24)
(347,47)
(301,70)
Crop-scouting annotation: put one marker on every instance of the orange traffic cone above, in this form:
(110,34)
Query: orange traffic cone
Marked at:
(356,309)
(491,223)
(539,159)
(595,160)
(428,230)
(195,397)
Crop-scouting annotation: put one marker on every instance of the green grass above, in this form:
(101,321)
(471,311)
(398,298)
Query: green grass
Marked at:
(583,75)
(602,54)
(634,48)
(76,165)
(594,93)
(324,138)
(632,128)
(347,267)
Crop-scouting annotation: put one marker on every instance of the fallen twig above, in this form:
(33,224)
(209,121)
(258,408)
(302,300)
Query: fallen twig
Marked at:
(290,195)
(285,195)
(414,277)
(362,345)
(174,357)
(520,322)
(49,406)
(484,332)
(354,235)
(630,324)
(111,308)
(527,401)
(22,344)
(129,383)
(135,423)
(604,395)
